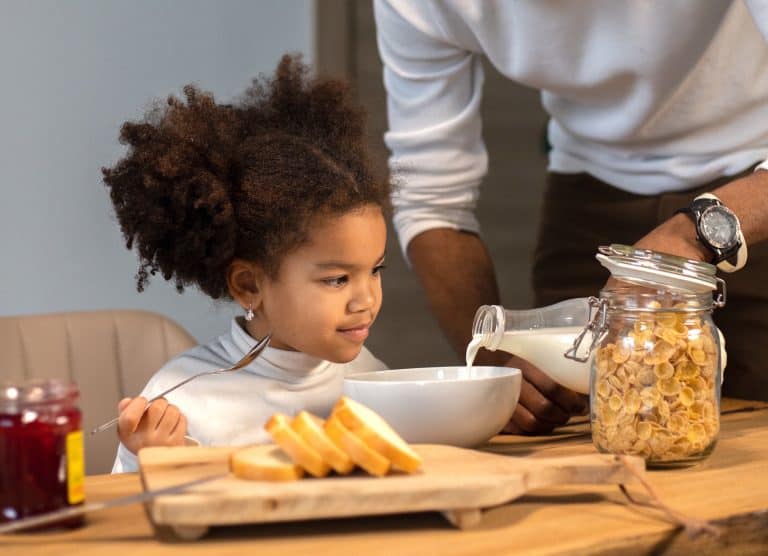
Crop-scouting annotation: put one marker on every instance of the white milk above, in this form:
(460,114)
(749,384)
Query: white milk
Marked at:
(544,348)
(474,345)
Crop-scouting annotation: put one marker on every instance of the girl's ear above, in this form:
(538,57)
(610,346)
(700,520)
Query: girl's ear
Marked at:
(245,281)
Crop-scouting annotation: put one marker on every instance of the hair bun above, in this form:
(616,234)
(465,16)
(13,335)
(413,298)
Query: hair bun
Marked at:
(172,191)
(323,111)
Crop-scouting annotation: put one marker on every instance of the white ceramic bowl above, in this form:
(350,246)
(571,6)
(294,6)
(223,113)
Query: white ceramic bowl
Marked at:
(440,405)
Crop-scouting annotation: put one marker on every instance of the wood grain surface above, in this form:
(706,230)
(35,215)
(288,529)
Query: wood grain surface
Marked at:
(730,488)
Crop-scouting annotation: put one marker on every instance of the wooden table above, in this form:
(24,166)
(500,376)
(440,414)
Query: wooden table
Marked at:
(730,489)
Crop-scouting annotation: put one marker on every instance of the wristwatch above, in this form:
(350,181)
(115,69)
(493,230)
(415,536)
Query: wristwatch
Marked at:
(718,229)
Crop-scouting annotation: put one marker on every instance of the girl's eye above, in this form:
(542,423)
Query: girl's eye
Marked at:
(377,269)
(336,281)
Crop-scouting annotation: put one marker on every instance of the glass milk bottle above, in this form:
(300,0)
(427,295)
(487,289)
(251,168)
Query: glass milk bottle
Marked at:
(657,359)
(540,336)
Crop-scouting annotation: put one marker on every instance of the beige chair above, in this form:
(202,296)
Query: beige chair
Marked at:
(109,354)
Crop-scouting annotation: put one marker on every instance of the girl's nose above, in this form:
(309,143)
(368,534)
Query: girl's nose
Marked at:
(364,297)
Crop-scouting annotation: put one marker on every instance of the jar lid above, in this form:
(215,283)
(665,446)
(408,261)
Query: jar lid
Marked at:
(651,268)
(16,396)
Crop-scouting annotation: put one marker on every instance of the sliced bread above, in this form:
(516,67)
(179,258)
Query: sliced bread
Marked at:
(363,455)
(256,463)
(279,428)
(310,428)
(375,432)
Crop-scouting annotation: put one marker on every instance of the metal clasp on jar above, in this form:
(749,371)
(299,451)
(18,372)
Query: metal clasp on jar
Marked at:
(719,300)
(597,325)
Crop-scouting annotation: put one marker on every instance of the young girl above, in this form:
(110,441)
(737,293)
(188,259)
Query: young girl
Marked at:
(271,202)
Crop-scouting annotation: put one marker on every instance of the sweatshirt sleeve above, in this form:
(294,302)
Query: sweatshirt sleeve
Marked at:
(126,461)
(759,11)
(433,104)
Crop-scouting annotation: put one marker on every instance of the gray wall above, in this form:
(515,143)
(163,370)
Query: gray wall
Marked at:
(72,72)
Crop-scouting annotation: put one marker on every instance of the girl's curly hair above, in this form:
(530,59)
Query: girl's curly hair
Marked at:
(204,183)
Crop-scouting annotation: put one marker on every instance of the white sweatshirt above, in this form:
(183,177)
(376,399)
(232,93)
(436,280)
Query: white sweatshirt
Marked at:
(647,96)
(230,409)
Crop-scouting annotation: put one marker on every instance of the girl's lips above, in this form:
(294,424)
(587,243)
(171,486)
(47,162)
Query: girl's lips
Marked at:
(358,334)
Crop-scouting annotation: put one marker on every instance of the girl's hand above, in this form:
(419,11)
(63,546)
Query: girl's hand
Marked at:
(162,424)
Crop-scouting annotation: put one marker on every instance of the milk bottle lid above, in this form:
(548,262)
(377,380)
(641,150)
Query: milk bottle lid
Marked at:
(651,268)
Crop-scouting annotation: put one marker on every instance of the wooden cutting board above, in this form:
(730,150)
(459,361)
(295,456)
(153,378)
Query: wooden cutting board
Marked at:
(456,481)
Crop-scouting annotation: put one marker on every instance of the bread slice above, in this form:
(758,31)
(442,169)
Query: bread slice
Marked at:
(256,463)
(279,427)
(310,428)
(364,456)
(368,425)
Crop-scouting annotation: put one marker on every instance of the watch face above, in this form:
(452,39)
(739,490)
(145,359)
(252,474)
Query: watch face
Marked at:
(719,227)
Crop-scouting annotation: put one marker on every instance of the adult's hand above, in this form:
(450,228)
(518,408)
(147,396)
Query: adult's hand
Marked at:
(457,274)
(676,236)
(543,404)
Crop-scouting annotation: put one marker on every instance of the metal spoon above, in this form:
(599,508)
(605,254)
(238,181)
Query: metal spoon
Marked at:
(250,356)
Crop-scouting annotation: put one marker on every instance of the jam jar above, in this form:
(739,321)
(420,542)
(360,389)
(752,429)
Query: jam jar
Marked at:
(41,449)
(657,357)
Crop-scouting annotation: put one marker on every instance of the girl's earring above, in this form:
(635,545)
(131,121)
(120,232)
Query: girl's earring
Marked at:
(249,313)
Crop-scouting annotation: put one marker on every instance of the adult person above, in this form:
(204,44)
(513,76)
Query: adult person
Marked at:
(650,105)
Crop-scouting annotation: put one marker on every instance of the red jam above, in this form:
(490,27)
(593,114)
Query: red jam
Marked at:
(41,449)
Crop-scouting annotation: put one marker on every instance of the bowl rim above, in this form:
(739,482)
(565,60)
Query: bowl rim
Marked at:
(354,377)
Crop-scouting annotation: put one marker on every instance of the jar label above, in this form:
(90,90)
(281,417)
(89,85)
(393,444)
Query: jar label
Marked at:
(75,468)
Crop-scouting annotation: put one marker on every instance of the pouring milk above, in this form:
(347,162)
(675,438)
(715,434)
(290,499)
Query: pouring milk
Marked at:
(540,336)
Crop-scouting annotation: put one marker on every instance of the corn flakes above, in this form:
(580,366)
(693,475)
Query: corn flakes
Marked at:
(644,430)
(687,396)
(655,386)
(664,370)
(669,386)
(698,356)
(686,370)
(662,351)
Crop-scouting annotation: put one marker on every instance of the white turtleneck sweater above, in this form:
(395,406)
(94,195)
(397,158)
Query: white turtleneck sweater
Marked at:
(230,409)
(645,95)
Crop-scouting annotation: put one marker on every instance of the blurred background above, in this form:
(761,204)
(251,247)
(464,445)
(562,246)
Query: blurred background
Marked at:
(75,70)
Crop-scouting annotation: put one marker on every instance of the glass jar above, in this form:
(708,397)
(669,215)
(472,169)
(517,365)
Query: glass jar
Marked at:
(656,358)
(41,449)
